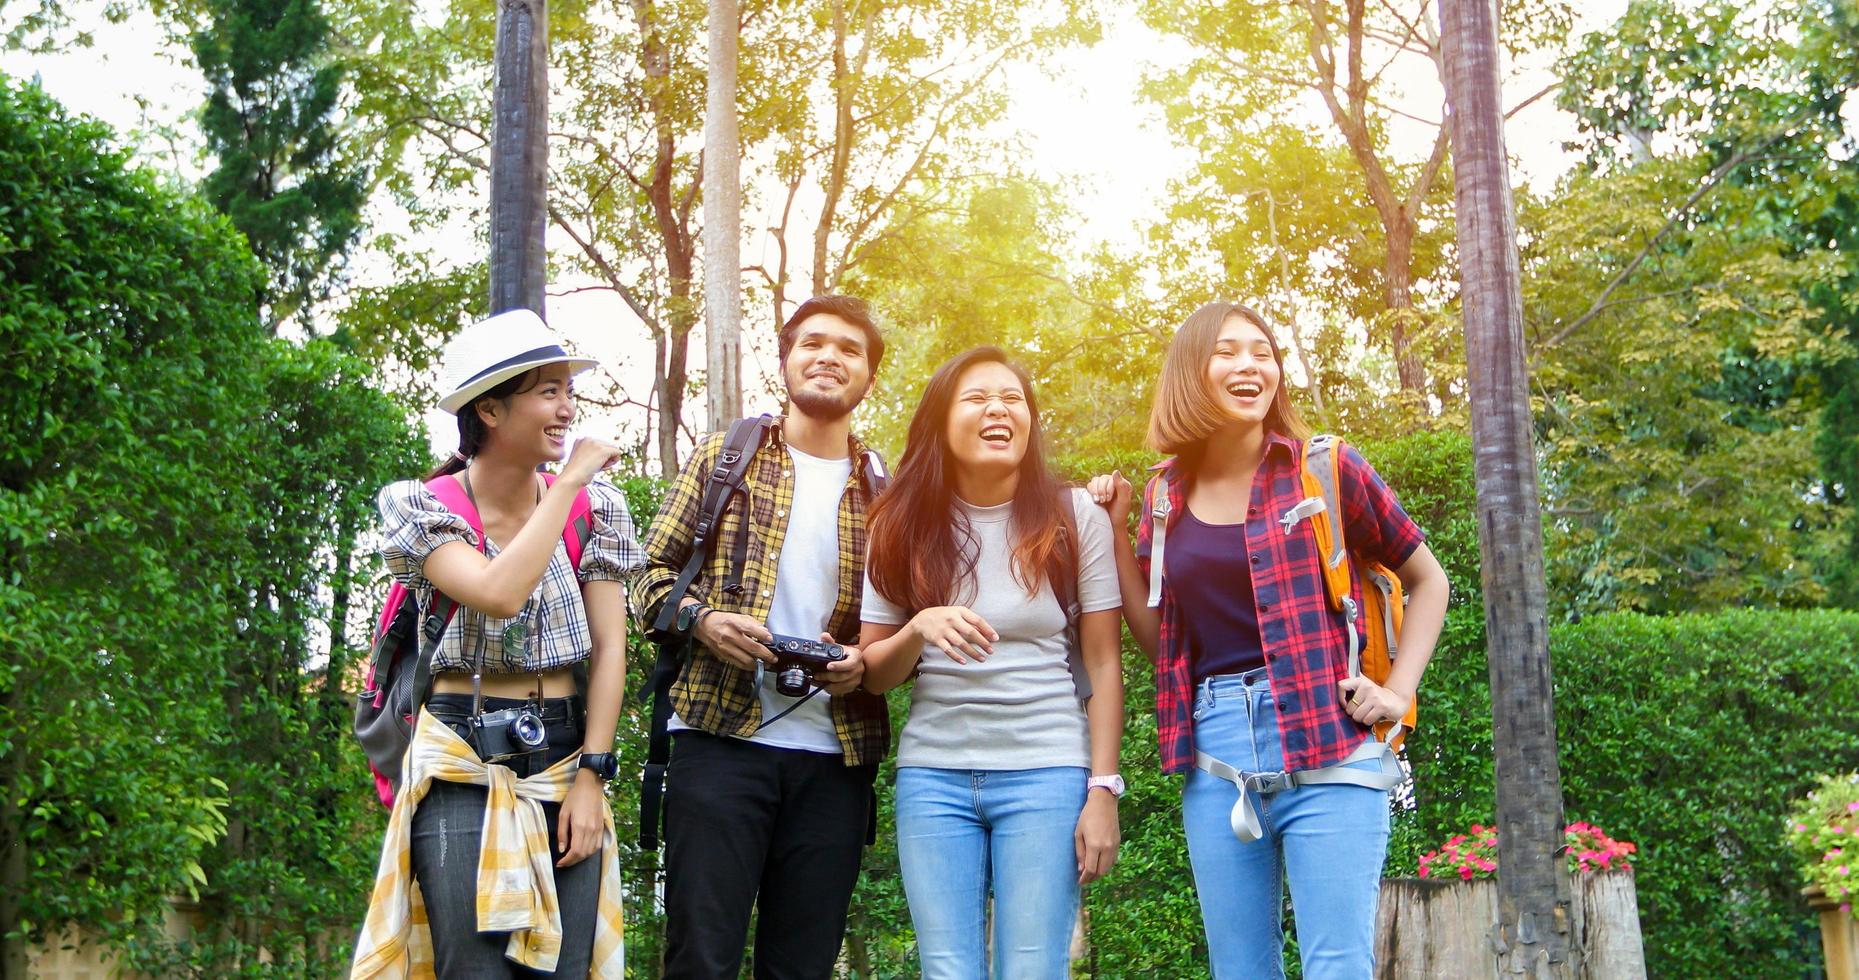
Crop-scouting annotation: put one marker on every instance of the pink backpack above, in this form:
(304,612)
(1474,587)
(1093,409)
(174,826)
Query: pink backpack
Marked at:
(400,665)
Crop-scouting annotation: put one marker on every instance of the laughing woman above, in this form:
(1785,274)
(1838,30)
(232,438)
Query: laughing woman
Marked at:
(1251,666)
(995,586)
(502,820)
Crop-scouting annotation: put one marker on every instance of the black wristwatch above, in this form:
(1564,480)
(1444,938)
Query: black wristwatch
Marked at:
(688,617)
(605,764)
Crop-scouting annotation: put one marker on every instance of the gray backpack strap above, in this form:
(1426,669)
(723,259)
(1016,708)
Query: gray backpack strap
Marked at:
(1317,463)
(1158,535)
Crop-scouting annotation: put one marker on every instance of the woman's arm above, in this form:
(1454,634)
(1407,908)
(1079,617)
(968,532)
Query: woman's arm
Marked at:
(1114,493)
(1427,593)
(498,587)
(891,652)
(1097,835)
(581,826)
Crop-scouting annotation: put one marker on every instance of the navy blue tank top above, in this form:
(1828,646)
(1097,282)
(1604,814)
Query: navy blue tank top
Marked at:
(1211,579)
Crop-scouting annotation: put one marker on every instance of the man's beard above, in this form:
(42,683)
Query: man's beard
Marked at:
(823,407)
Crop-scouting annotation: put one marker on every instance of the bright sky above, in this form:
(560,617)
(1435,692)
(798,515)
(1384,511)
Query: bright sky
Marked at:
(1084,124)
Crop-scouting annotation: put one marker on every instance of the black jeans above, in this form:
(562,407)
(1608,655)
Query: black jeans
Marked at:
(744,820)
(447,831)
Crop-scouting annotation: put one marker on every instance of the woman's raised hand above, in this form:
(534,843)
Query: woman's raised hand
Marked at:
(956,631)
(1112,492)
(589,457)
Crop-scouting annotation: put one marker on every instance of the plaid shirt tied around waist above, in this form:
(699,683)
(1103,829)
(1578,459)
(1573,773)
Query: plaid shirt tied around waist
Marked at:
(516,867)
(1306,644)
(711,695)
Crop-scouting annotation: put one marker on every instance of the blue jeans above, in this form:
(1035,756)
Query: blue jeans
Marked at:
(1327,840)
(960,831)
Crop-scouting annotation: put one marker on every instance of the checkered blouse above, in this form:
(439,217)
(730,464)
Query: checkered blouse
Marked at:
(415,523)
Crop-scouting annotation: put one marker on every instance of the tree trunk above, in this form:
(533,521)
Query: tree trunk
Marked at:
(844,85)
(1534,927)
(12,874)
(520,156)
(1398,276)
(671,219)
(723,221)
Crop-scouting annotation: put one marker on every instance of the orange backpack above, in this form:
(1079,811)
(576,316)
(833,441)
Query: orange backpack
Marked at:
(1375,628)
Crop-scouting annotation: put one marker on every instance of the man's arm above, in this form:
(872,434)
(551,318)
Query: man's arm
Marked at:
(668,538)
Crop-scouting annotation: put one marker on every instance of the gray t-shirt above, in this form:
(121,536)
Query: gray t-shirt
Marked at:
(1019,708)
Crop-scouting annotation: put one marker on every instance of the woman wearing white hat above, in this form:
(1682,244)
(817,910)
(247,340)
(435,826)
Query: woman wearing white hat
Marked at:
(504,673)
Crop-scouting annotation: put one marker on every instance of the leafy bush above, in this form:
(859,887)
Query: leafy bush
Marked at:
(178,495)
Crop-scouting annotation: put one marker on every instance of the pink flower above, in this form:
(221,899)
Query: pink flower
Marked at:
(1801,827)
(1466,873)
(1853,807)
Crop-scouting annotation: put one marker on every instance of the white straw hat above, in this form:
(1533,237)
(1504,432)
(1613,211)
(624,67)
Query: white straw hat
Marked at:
(493,351)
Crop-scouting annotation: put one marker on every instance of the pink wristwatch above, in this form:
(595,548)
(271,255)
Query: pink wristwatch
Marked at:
(1112,782)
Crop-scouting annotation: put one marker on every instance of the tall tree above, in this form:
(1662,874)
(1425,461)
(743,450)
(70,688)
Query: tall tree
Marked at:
(270,123)
(723,221)
(1534,929)
(520,156)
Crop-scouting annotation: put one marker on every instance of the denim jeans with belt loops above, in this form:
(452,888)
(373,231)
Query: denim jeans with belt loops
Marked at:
(447,831)
(962,833)
(1328,841)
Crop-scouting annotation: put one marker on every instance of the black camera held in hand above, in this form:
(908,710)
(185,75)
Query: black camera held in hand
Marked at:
(508,732)
(797,661)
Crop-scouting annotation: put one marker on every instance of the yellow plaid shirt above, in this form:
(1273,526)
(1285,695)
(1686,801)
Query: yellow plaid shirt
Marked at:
(711,695)
(516,867)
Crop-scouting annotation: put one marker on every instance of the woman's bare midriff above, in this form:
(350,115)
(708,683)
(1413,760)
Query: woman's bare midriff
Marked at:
(555,684)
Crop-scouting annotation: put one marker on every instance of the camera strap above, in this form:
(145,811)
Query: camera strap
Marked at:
(477,669)
(803,699)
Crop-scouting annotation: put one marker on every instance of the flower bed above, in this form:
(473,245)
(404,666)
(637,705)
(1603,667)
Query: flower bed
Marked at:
(1474,855)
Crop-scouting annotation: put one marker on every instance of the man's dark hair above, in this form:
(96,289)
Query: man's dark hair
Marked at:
(848,308)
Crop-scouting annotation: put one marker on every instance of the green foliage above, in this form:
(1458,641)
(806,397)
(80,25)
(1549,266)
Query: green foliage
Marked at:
(1724,352)
(270,123)
(179,497)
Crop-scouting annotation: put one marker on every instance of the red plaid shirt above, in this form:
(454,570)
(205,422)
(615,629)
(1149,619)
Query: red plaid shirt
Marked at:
(1306,645)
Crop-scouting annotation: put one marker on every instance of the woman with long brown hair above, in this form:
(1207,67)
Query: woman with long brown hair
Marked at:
(994,585)
(1253,686)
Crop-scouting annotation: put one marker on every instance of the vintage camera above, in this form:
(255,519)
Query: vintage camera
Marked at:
(508,732)
(798,660)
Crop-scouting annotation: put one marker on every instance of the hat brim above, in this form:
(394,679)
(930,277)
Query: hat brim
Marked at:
(477,386)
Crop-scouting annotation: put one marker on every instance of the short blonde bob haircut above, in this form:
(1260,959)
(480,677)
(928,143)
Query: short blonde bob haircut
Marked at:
(1187,408)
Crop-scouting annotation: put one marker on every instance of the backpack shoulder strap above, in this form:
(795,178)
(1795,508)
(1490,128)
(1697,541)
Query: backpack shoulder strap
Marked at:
(1066,592)
(723,482)
(876,476)
(740,445)
(452,494)
(580,527)
(1318,471)
(1155,497)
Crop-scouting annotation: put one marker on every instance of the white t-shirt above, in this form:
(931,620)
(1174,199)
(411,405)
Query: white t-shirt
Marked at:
(1019,708)
(806,588)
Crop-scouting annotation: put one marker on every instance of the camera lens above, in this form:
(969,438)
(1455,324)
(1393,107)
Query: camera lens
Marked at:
(526,730)
(791,682)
